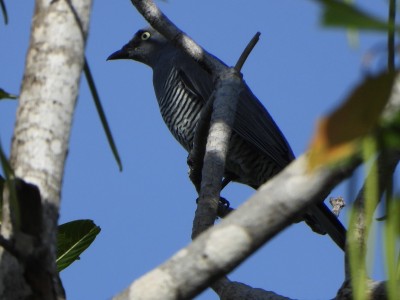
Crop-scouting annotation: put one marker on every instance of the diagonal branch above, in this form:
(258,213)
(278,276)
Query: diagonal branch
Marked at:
(223,247)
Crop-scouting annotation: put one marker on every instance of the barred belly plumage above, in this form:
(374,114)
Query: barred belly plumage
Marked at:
(180,110)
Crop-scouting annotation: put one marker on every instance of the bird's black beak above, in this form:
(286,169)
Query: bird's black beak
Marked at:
(120,54)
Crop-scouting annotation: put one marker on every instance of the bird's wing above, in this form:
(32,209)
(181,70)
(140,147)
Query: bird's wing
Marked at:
(252,121)
(254,124)
(195,79)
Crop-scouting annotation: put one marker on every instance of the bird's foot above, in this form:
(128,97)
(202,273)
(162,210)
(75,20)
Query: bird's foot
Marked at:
(224,207)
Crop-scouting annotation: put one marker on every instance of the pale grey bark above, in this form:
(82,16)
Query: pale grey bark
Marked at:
(47,99)
(221,248)
(226,96)
(40,142)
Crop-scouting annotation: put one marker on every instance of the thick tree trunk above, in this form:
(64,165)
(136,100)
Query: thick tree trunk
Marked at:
(40,144)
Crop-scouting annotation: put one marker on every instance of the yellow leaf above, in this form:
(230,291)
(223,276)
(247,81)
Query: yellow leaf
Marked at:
(337,135)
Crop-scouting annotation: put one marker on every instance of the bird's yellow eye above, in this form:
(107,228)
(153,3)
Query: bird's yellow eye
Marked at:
(145,35)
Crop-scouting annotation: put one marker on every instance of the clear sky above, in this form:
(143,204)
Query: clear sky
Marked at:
(299,71)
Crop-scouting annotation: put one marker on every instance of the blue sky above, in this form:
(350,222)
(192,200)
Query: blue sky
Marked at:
(299,70)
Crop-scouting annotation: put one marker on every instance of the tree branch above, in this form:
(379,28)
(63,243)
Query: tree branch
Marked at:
(163,25)
(226,96)
(40,143)
(223,247)
(247,51)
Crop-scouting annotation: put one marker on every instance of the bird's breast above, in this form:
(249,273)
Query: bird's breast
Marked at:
(180,109)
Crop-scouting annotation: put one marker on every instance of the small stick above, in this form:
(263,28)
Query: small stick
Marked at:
(246,52)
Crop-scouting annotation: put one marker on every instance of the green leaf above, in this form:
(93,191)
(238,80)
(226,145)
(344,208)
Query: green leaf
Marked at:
(74,238)
(341,14)
(4,11)
(5,95)
(101,113)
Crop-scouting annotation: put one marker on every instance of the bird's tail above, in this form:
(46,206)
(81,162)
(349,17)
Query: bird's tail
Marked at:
(323,221)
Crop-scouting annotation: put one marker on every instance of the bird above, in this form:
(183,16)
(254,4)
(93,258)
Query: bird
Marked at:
(257,148)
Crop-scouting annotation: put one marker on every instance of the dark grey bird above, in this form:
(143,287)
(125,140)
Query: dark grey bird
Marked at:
(258,150)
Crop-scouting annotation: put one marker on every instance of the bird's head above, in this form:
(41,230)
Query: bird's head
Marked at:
(145,47)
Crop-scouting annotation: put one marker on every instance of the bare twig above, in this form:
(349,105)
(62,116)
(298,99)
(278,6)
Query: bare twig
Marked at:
(242,59)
